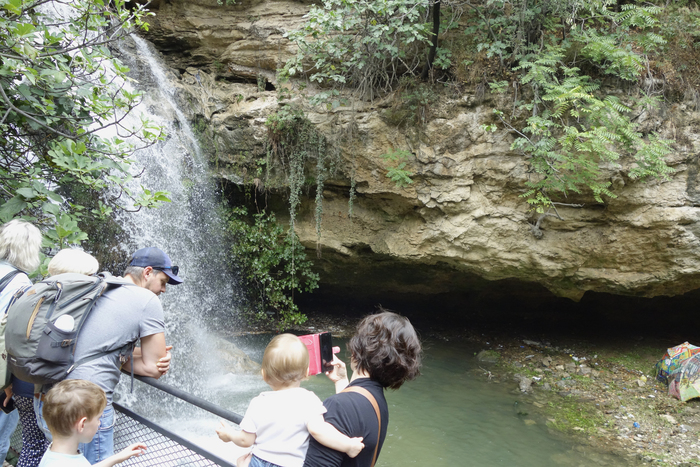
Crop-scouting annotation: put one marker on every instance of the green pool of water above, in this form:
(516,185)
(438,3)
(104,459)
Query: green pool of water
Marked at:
(450,416)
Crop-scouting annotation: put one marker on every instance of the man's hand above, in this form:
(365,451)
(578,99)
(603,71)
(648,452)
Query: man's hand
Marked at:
(164,363)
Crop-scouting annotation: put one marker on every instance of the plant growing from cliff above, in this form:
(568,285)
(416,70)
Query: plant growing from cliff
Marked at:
(397,161)
(59,98)
(572,132)
(272,264)
(294,144)
(360,44)
(573,129)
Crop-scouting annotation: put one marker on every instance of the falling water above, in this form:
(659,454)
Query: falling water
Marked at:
(189,229)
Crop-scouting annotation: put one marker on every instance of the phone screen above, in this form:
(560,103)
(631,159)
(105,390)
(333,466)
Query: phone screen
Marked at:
(326,341)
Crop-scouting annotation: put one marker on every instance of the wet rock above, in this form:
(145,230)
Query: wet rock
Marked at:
(525,384)
(488,356)
(669,419)
(546,361)
(585,370)
(233,359)
(570,367)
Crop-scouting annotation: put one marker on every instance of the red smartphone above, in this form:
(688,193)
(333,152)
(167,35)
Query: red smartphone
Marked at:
(321,352)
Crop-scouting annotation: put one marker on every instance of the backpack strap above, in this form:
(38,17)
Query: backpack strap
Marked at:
(7,278)
(373,401)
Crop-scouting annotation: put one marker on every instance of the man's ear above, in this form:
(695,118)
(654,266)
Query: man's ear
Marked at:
(147,271)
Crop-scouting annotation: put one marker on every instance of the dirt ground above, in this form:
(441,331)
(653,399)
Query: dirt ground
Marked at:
(599,392)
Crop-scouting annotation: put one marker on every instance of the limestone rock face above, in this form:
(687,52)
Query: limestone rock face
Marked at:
(462,221)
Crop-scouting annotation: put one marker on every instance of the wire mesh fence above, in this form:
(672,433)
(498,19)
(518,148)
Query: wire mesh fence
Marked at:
(165,448)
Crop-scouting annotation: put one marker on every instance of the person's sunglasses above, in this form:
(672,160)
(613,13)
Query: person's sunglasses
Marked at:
(174,269)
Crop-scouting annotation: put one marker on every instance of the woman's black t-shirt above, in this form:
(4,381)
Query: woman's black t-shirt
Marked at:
(353,415)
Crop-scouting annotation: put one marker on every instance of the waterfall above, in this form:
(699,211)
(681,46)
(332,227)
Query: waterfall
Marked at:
(190,230)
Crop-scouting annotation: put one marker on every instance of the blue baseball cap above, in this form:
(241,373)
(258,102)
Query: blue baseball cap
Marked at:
(157,259)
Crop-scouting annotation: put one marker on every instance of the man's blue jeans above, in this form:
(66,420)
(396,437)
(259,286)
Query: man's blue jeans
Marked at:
(101,446)
(8,423)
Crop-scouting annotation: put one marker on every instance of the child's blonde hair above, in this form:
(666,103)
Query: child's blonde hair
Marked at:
(286,360)
(69,401)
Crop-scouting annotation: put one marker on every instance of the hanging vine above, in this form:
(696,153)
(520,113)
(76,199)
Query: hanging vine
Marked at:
(295,144)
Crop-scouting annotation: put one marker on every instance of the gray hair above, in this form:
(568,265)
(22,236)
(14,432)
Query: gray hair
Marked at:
(20,244)
(73,260)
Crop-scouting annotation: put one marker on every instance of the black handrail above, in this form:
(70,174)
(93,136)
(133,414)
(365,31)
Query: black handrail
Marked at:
(194,400)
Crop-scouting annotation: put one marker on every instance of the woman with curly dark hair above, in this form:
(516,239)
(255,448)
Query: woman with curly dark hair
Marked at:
(385,352)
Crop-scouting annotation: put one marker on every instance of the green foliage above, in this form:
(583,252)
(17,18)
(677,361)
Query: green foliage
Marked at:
(273,266)
(397,161)
(572,132)
(573,129)
(293,142)
(57,95)
(554,57)
(362,44)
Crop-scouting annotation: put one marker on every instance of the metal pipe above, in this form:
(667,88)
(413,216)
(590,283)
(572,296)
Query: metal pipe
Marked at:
(194,400)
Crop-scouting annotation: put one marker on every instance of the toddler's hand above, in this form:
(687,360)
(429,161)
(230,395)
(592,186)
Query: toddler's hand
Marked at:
(222,431)
(244,460)
(135,449)
(355,447)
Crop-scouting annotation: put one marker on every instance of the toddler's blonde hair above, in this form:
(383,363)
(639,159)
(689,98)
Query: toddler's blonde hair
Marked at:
(286,360)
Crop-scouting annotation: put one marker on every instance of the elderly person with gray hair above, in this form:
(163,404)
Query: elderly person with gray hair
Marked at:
(73,260)
(20,244)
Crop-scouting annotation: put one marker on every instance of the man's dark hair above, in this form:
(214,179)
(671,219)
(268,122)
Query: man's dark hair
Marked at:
(387,347)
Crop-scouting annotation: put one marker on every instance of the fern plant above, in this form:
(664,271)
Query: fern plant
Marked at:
(573,130)
(396,170)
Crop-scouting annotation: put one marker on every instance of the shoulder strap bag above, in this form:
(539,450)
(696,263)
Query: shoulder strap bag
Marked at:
(373,401)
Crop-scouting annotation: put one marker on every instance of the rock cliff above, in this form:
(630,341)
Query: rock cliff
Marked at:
(462,222)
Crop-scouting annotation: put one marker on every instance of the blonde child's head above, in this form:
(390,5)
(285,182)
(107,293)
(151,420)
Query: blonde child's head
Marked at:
(69,401)
(286,361)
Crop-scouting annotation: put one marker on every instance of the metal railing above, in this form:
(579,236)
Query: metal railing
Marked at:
(165,448)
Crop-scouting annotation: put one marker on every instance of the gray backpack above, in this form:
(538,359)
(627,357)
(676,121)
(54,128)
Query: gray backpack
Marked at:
(40,350)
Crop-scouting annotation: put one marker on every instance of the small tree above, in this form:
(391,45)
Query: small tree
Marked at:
(61,93)
(365,45)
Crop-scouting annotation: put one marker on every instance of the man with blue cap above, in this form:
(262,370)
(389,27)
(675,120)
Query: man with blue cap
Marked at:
(122,316)
(152,269)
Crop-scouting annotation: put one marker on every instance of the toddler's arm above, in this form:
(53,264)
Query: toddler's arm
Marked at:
(329,436)
(133,450)
(239,438)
